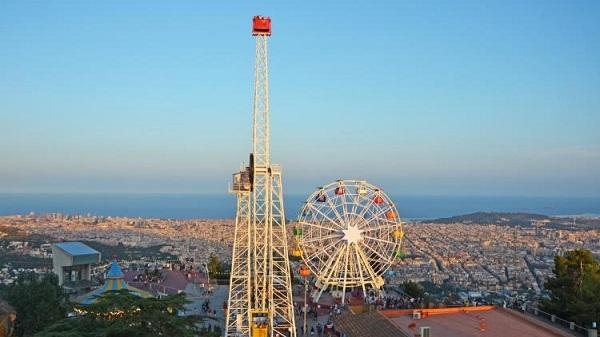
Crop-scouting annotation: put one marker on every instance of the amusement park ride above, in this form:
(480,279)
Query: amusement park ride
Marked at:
(260,295)
(348,233)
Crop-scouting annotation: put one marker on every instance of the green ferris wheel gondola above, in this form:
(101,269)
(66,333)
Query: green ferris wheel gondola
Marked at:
(399,254)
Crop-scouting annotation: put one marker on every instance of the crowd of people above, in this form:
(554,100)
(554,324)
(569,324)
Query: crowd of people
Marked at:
(385,300)
(207,310)
(316,311)
(398,302)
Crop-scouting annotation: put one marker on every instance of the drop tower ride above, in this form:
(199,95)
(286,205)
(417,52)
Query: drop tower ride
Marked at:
(260,295)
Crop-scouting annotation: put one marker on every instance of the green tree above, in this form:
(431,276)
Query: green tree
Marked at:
(121,314)
(38,300)
(575,288)
(413,289)
(214,266)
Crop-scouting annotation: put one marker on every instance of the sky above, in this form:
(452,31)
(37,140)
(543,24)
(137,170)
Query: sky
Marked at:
(418,97)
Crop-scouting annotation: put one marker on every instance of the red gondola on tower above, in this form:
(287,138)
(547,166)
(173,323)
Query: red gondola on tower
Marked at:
(261,25)
(378,200)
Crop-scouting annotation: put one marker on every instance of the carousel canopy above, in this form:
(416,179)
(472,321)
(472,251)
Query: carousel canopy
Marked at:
(114,281)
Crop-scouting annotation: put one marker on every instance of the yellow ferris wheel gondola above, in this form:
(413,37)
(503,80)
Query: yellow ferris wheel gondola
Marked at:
(398,234)
(296,252)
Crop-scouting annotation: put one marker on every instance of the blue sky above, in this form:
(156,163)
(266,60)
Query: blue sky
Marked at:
(419,97)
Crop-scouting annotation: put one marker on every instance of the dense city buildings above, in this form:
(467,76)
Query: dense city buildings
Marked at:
(487,258)
(25,241)
(462,263)
(473,260)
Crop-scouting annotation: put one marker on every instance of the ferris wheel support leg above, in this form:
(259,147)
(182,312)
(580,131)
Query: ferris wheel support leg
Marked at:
(323,288)
(335,259)
(370,271)
(345,276)
(362,277)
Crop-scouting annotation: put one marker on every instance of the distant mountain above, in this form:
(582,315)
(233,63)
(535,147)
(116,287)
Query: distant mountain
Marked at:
(500,218)
(523,220)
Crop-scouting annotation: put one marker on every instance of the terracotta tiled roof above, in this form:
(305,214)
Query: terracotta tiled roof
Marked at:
(445,322)
(474,322)
(371,324)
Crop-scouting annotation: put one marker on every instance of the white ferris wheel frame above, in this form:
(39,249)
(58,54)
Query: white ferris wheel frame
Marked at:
(348,240)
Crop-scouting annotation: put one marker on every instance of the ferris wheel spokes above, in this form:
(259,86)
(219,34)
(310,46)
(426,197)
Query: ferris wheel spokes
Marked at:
(325,249)
(335,210)
(370,202)
(384,259)
(333,236)
(385,227)
(383,212)
(359,265)
(303,223)
(324,216)
(380,240)
(367,265)
(329,269)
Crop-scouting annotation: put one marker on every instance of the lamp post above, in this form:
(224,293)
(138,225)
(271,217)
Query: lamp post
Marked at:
(305,273)
(207,277)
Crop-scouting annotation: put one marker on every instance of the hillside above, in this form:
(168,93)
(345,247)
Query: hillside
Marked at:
(523,220)
(510,219)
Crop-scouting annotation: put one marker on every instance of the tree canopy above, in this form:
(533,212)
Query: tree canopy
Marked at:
(413,289)
(38,300)
(122,314)
(214,265)
(575,288)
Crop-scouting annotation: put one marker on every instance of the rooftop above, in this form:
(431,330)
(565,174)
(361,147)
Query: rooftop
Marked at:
(473,322)
(479,321)
(371,324)
(76,248)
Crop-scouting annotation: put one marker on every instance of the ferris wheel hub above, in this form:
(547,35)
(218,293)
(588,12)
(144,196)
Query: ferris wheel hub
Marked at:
(352,234)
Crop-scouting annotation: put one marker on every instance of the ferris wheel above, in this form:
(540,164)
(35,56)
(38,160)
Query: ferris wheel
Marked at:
(348,233)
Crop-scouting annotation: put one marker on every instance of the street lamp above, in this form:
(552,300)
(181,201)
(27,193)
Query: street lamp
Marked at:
(207,275)
(305,272)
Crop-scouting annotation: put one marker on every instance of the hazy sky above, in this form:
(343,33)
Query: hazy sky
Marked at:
(419,97)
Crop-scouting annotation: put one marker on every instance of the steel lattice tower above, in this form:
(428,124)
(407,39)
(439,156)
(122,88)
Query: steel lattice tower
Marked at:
(260,295)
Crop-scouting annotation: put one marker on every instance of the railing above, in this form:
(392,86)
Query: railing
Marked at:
(557,321)
(239,187)
(240,183)
(275,168)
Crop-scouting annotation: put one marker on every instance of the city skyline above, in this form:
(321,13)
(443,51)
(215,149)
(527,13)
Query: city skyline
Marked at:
(422,99)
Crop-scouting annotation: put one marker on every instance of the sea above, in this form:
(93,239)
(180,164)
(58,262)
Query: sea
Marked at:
(221,206)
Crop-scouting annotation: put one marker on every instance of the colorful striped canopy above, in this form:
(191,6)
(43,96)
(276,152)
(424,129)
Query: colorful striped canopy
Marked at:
(114,281)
